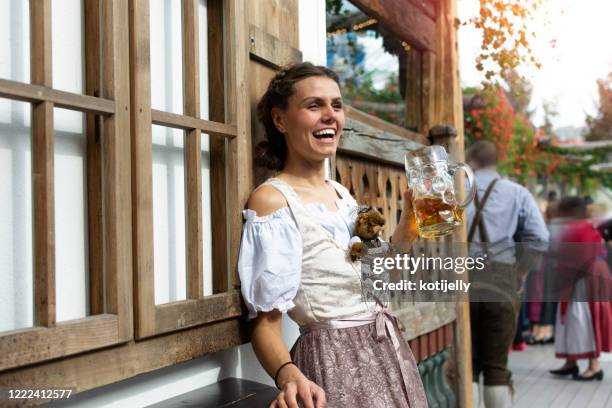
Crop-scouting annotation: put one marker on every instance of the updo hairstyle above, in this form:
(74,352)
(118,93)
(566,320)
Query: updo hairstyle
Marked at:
(272,152)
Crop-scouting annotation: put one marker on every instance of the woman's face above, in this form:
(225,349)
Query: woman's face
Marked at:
(313,120)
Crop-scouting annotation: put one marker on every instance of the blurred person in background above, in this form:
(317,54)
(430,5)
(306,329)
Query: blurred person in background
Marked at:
(502,213)
(541,313)
(584,317)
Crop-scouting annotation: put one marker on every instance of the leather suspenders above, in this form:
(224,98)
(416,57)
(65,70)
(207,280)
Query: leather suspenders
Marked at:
(478,220)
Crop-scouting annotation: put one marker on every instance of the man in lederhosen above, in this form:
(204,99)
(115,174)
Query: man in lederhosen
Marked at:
(502,213)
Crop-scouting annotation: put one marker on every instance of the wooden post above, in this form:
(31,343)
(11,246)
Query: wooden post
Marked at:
(142,178)
(446,135)
(442,135)
(414,89)
(238,148)
(117,205)
(193,150)
(42,167)
(94,160)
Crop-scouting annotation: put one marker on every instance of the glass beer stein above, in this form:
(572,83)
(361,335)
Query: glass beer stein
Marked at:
(434,201)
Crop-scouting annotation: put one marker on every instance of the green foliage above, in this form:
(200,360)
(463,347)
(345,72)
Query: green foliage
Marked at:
(376,99)
(576,166)
(524,150)
(333,6)
(366,91)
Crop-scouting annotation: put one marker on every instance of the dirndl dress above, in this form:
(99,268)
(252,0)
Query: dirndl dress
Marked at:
(353,349)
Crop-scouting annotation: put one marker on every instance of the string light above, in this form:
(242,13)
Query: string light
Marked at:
(339,31)
(356,27)
(364,24)
(361,26)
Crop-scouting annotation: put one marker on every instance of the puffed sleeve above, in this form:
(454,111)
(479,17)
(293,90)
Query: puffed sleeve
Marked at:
(270,261)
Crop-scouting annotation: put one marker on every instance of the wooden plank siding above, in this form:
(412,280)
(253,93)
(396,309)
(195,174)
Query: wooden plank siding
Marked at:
(63,339)
(109,365)
(270,50)
(428,344)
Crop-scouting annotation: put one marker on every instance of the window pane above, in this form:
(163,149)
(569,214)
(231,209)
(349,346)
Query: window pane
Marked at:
(16,290)
(370,62)
(67,45)
(203,40)
(71,241)
(169,215)
(166,56)
(15,40)
(206,215)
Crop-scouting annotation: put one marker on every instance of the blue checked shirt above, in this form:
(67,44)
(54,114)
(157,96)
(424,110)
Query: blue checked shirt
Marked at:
(510,215)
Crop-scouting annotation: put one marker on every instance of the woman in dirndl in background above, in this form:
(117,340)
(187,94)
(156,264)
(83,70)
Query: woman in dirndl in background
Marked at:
(294,258)
(583,327)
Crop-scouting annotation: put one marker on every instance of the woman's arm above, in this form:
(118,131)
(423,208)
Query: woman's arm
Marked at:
(272,353)
(406,231)
(267,340)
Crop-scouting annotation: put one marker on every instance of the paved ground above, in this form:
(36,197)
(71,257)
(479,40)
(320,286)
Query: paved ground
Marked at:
(535,387)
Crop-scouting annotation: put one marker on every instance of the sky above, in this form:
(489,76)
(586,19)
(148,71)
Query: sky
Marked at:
(581,54)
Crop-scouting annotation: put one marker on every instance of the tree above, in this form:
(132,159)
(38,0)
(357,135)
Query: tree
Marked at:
(550,111)
(519,92)
(521,156)
(506,36)
(600,126)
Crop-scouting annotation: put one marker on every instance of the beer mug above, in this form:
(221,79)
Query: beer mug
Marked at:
(434,202)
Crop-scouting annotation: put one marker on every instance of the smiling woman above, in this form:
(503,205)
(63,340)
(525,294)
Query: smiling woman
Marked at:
(294,258)
(317,96)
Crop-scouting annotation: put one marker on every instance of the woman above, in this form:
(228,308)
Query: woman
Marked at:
(584,317)
(293,258)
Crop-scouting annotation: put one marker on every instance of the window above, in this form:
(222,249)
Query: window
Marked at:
(182,170)
(68,221)
(121,212)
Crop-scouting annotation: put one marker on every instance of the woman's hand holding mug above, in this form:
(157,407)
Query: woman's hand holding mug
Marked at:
(406,231)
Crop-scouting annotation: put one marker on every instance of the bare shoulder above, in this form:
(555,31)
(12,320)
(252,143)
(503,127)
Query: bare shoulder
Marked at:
(265,200)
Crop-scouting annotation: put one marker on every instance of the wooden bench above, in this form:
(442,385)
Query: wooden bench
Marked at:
(231,392)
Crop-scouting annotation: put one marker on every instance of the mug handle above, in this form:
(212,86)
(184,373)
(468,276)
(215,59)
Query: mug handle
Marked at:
(470,177)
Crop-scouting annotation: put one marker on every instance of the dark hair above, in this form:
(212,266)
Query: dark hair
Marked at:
(272,152)
(483,153)
(572,206)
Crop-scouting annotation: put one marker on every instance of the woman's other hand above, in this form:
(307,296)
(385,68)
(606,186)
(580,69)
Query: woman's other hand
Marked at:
(296,387)
(406,231)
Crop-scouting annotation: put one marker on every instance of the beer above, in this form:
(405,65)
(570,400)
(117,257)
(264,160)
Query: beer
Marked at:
(435,217)
(431,177)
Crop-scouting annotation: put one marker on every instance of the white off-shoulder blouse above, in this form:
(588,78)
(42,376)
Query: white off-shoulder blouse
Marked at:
(270,257)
